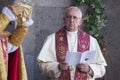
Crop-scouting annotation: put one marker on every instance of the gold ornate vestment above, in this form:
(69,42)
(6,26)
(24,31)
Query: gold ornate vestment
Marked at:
(20,34)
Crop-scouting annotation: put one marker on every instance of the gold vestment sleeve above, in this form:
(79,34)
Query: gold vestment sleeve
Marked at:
(4,20)
(18,35)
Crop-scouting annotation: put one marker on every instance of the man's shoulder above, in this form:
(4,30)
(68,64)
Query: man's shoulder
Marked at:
(51,36)
(93,38)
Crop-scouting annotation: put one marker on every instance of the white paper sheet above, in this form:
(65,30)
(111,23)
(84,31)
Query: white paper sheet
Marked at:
(88,56)
(73,58)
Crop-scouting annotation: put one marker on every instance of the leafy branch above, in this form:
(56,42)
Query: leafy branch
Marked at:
(94,18)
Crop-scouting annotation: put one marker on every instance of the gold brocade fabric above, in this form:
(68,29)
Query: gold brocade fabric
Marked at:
(4,20)
(18,35)
(22,68)
(22,18)
(3,72)
(21,31)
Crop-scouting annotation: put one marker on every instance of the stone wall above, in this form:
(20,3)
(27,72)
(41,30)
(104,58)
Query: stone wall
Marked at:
(112,35)
(48,18)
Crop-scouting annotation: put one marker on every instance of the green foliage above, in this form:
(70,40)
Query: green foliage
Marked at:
(94,18)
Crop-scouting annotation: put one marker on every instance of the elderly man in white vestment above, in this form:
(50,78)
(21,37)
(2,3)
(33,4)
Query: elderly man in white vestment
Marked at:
(70,38)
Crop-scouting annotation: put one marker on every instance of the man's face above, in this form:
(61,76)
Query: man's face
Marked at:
(72,19)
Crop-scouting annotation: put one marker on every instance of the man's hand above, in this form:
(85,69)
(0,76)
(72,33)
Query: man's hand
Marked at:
(83,67)
(63,66)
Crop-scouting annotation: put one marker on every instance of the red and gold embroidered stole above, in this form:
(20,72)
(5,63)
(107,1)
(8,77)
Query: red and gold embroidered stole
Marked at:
(62,46)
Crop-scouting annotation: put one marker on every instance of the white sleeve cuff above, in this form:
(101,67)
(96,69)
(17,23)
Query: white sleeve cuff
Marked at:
(29,23)
(11,48)
(9,13)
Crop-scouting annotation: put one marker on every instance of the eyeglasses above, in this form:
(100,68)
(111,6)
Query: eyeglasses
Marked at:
(72,17)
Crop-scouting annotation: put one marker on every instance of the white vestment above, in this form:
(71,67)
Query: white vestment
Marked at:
(49,65)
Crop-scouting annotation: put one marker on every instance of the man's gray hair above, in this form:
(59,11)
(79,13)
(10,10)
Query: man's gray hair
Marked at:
(74,7)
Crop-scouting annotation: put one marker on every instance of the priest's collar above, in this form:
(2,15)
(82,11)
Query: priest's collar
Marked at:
(72,33)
